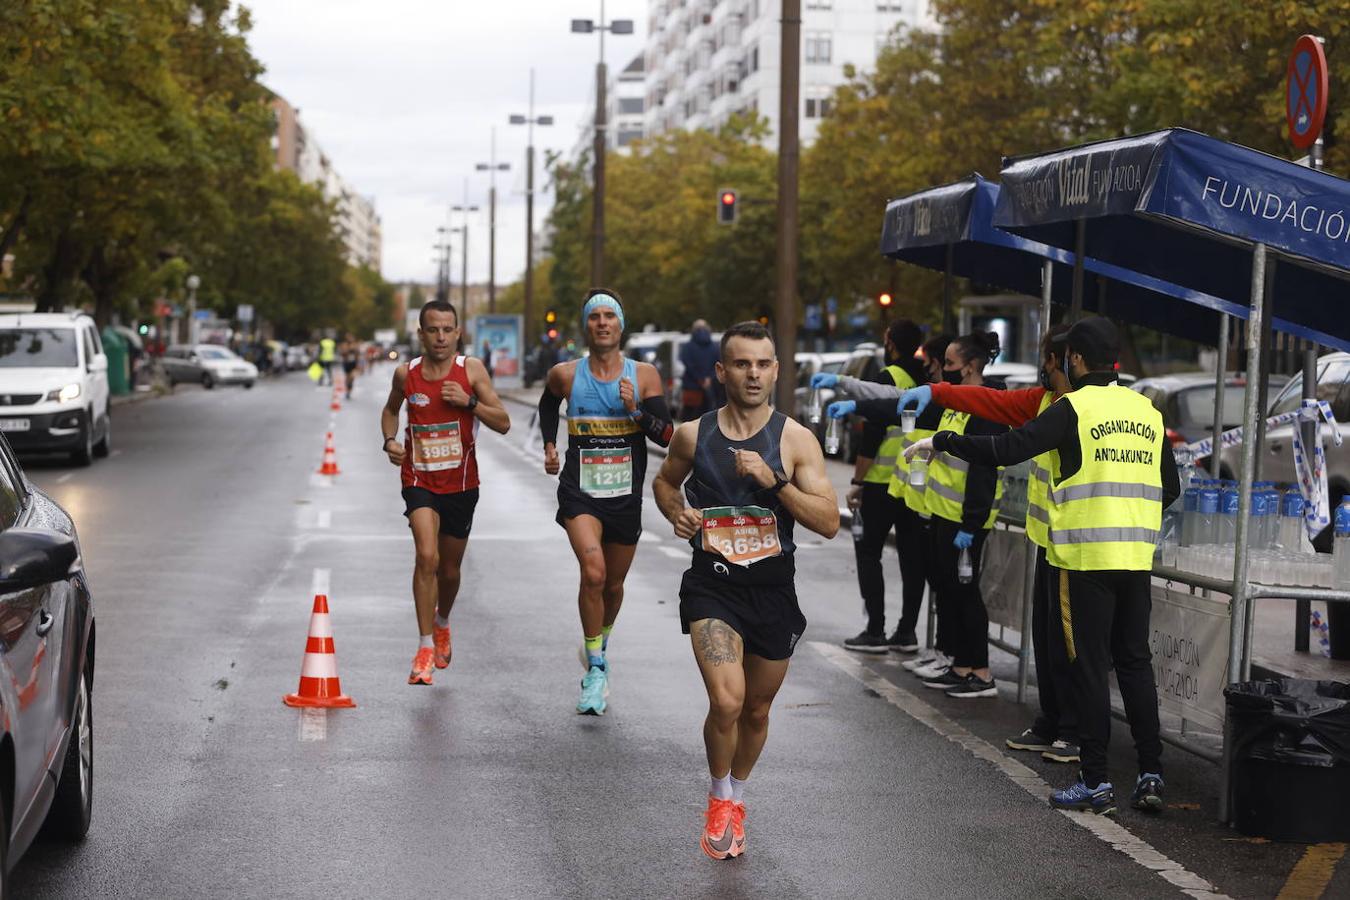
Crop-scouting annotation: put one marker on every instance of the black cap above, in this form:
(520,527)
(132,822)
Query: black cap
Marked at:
(1097,340)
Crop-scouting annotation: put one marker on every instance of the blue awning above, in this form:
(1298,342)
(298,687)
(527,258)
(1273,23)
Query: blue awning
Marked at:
(1188,209)
(919,229)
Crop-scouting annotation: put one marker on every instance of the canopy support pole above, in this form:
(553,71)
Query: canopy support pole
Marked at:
(948,325)
(1047,282)
(1303,608)
(1079,250)
(1221,374)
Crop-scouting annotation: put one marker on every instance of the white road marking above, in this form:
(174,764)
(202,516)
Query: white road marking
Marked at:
(114,454)
(325,519)
(1109,831)
(313,724)
(649,538)
(674,552)
(66,477)
(320,481)
(322,581)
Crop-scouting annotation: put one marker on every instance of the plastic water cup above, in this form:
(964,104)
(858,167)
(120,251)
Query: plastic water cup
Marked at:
(918,471)
(832,436)
(907,419)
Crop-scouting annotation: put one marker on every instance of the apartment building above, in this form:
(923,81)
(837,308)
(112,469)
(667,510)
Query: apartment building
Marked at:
(625,107)
(296,149)
(707,60)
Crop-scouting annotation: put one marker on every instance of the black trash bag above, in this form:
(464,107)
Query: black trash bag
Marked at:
(1290,720)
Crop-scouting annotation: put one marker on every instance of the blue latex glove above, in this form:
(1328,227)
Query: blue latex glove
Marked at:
(919,397)
(824,380)
(840,408)
(963,540)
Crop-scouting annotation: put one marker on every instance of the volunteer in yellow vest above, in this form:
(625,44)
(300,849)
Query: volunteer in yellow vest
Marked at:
(327,355)
(962,500)
(869,499)
(1110,479)
(1054,734)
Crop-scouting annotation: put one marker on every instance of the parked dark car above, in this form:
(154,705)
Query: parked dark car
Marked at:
(46,671)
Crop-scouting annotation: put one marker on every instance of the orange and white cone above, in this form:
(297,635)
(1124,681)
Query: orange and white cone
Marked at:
(319,685)
(337,403)
(330,466)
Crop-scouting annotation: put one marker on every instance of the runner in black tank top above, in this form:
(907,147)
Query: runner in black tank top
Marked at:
(756,473)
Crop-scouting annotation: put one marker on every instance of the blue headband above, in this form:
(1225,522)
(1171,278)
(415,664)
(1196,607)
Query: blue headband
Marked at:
(605,301)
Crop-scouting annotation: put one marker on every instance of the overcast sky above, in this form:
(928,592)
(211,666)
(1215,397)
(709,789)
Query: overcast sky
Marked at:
(403,94)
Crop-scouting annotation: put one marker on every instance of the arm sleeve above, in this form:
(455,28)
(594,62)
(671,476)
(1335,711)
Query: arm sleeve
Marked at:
(653,417)
(1046,432)
(874,432)
(1171,480)
(981,480)
(868,390)
(549,405)
(1011,408)
(881,411)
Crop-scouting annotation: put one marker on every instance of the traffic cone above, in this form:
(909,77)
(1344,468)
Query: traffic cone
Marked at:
(319,685)
(330,466)
(337,402)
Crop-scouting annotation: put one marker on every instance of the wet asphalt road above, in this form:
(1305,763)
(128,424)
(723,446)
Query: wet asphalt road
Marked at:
(205,537)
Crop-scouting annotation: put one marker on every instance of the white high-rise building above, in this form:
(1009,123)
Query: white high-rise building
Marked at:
(710,59)
(624,110)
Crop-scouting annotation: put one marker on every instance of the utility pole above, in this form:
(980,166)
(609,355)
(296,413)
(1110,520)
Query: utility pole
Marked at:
(785,308)
(530,120)
(463,229)
(600,144)
(492,167)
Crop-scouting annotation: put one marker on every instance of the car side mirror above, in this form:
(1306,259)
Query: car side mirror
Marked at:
(99,363)
(33,557)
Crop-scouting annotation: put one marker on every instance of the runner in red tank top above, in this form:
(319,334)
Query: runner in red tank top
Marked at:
(447,396)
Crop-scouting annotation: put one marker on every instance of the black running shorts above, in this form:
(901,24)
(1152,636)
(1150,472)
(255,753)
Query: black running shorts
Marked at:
(766,617)
(455,510)
(622,526)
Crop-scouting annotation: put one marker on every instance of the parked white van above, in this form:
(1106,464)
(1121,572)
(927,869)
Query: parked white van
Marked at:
(54,385)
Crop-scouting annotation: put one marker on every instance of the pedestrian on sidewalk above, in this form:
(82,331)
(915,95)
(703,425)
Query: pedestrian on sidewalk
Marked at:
(699,389)
(1111,476)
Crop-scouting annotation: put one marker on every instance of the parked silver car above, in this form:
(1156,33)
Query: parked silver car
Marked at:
(207,365)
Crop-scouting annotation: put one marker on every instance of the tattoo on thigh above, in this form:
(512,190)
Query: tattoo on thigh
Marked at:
(717,643)
(592,549)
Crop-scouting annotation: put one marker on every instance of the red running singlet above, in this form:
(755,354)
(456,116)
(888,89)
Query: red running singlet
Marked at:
(440,439)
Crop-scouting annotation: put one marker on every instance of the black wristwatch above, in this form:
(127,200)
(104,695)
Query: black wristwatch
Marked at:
(857,482)
(473,401)
(385,445)
(780,481)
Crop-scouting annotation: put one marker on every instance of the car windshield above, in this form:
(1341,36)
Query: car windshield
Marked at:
(214,353)
(26,348)
(1196,406)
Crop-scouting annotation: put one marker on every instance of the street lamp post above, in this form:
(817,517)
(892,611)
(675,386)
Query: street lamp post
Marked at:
(443,264)
(587,26)
(463,229)
(193,282)
(492,168)
(530,120)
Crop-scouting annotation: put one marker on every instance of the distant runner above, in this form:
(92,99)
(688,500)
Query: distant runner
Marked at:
(755,473)
(447,394)
(614,404)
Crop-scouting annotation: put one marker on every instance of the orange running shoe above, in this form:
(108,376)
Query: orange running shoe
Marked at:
(442,638)
(718,839)
(421,666)
(738,828)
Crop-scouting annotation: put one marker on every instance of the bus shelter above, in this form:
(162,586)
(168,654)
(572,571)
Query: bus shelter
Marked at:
(1270,240)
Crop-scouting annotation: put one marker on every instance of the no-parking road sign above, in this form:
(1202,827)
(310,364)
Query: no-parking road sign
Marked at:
(1306,92)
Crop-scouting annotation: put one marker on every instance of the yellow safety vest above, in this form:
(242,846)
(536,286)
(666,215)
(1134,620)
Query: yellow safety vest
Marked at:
(326,347)
(888,458)
(915,498)
(946,492)
(1107,515)
(1038,491)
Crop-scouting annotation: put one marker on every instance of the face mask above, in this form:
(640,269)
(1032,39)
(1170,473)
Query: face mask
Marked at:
(951,376)
(1074,381)
(1045,379)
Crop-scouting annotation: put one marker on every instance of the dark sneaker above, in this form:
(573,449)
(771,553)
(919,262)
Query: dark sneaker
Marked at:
(866,642)
(1100,800)
(904,642)
(945,679)
(973,686)
(1148,793)
(1029,740)
(1061,751)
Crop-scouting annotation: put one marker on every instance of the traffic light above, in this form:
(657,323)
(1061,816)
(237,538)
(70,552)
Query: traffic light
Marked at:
(552,333)
(884,301)
(550,317)
(726,207)
(763,317)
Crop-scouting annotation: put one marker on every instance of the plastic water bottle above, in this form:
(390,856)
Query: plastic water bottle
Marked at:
(1258,530)
(1340,552)
(1228,513)
(856,526)
(1321,635)
(965,570)
(1190,514)
(1291,522)
(833,434)
(1207,526)
(813,406)
(1272,533)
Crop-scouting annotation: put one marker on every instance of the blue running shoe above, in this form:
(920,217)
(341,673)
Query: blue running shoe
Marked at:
(1100,800)
(1148,791)
(594,690)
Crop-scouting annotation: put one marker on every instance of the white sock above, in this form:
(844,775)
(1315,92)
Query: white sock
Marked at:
(427,641)
(442,621)
(721,787)
(738,789)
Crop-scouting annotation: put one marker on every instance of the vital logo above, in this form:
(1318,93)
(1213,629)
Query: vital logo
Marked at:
(923,220)
(1073,182)
(419,400)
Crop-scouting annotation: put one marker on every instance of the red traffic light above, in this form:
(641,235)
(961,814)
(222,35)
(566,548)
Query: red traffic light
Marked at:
(726,207)
(884,300)
(728,198)
(553,334)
